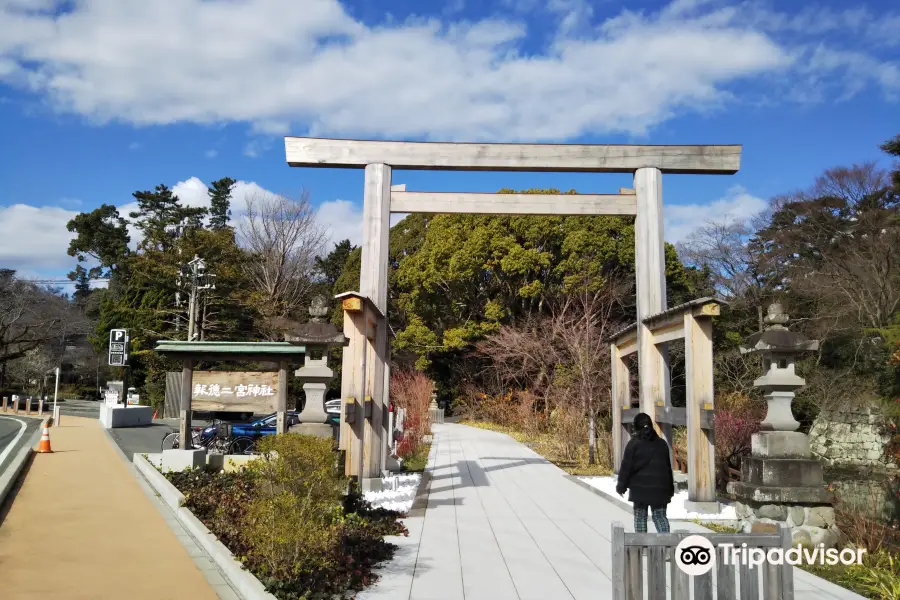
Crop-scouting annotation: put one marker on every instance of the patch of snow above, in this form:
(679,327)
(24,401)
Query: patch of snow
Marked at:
(674,511)
(398,492)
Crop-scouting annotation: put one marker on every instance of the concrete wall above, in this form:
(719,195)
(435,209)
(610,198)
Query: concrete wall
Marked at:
(112,417)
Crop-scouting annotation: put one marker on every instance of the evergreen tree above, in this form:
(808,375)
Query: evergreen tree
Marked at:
(102,235)
(220,202)
(82,279)
(160,213)
(331,267)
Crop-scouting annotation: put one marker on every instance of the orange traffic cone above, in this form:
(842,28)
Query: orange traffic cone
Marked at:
(44,447)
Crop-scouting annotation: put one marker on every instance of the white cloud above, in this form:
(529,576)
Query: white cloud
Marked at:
(680,220)
(343,220)
(318,70)
(35,238)
(211,153)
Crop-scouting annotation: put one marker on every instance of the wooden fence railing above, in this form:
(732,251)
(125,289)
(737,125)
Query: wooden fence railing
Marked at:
(731,582)
(681,464)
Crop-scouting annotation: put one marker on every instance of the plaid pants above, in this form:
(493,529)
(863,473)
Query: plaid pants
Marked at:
(659,519)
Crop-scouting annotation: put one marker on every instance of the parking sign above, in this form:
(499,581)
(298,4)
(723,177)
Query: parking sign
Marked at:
(118,347)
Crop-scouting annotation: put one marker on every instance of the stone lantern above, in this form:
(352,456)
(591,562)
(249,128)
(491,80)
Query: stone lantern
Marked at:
(780,480)
(779,348)
(318,336)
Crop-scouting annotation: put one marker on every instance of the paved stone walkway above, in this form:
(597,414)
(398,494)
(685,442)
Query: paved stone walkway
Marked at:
(503,523)
(80,527)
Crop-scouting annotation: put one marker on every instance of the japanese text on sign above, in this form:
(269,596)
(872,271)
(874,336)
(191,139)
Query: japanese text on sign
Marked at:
(215,390)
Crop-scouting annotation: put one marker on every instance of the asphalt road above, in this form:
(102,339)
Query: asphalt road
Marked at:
(78,408)
(10,439)
(142,440)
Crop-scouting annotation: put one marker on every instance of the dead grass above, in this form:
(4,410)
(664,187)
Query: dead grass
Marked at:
(559,452)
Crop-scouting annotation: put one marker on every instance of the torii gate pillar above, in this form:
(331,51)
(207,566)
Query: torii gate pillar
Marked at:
(650,270)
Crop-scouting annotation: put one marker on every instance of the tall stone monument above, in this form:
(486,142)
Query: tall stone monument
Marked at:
(318,336)
(781,482)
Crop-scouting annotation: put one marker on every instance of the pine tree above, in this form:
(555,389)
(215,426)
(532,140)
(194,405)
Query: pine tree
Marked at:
(220,202)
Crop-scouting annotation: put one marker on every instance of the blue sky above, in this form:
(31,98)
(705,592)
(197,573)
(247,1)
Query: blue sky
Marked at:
(101,98)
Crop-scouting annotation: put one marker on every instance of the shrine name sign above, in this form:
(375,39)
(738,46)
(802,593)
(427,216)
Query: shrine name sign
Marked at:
(234,391)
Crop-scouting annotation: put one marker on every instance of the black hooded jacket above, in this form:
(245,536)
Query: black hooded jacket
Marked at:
(646,470)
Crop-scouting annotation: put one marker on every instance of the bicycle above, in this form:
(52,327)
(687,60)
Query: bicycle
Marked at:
(217,443)
(243,445)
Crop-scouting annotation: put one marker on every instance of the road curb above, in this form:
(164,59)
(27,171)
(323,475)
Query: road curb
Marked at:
(168,492)
(619,502)
(247,584)
(420,501)
(242,580)
(11,475)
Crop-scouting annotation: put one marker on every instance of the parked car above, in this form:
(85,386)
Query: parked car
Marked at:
(333,410)
(254,429)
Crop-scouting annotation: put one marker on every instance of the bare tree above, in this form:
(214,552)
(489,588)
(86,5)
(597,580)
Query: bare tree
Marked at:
(29,316)
(563,358)
(721,248)
(30,370)
(282,238)
(582,324)
(839,244)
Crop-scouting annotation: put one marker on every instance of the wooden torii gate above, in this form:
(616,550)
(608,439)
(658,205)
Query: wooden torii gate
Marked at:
(365,371)
(649,337)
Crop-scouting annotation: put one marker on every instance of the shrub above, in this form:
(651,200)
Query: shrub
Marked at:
(734,430)
(288,518)
(860,526)
(294,519)
(518,409)
(568,427)
(878,577)
(411,391)
(220,501)
(416,462)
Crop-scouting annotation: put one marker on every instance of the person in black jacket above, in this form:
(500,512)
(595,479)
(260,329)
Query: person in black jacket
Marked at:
(646,470)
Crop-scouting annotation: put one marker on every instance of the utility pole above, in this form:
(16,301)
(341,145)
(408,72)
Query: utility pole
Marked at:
(200,281)
(179,282)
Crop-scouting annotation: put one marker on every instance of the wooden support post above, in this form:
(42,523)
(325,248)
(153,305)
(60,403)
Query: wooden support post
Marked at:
(698,361)
(281,400)
(650,269)
(621,400)
(352,382)
(374,284)
(187,384)
(388,417)
(374,436)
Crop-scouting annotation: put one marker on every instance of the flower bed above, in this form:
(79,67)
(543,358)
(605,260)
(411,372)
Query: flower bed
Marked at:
(289,520)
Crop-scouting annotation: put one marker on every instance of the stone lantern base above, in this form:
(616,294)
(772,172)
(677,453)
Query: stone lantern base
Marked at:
(781,483)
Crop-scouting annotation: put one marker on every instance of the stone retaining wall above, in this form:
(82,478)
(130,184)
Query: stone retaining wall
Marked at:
(850,438)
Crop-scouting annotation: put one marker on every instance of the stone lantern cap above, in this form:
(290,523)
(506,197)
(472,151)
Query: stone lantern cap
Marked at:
(316,332)
(776,337)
